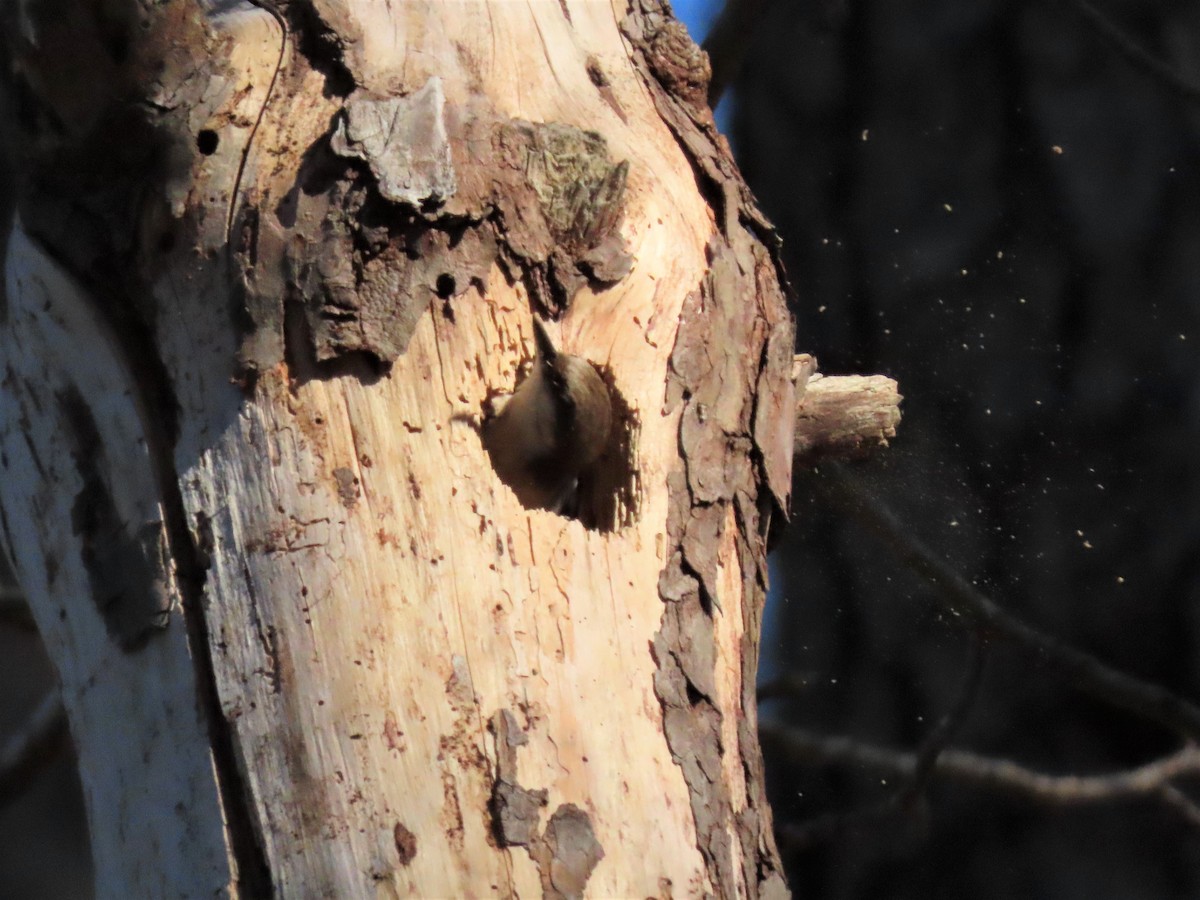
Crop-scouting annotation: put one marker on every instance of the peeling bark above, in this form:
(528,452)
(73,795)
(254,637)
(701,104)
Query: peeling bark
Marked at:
(448,193)
(566,850)
(272,264)
(734,341)
(515,808)
(567,853)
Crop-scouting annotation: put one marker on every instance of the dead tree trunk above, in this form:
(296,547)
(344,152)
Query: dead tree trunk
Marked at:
(267,267)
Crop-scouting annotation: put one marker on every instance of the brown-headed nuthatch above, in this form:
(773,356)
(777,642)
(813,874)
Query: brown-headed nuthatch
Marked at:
(552,429)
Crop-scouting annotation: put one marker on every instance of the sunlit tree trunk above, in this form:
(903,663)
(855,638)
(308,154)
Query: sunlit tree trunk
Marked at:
(266,268)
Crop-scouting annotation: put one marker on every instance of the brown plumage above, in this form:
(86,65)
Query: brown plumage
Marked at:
(552,429)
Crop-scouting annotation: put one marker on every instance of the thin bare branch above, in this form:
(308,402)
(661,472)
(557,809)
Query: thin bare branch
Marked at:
(948,726)
(1001,775)
(1086,672)
(1181,803)
(910,798)
(34,745)
(1134,54)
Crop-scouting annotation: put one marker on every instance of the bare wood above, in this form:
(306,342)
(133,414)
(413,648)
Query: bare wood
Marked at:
(325,582)
(144,754)
(842,416)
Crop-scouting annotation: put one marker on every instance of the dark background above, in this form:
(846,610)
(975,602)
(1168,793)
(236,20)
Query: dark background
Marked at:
(989,202)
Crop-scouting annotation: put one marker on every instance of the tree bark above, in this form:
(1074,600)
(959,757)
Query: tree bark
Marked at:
(267,268)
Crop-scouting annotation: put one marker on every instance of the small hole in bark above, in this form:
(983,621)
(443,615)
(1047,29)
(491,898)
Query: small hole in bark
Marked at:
(207,141)
(406,844)
(445,285)
(596,73)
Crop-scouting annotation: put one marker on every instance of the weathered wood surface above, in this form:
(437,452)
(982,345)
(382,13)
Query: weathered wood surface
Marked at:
(407,682)
(842,416)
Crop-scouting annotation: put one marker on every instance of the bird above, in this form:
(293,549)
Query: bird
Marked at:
(552,429)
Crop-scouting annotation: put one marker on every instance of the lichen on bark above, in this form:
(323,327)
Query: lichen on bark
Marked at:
(408,202)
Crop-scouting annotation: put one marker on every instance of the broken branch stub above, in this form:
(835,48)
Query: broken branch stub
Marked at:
(842,416)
